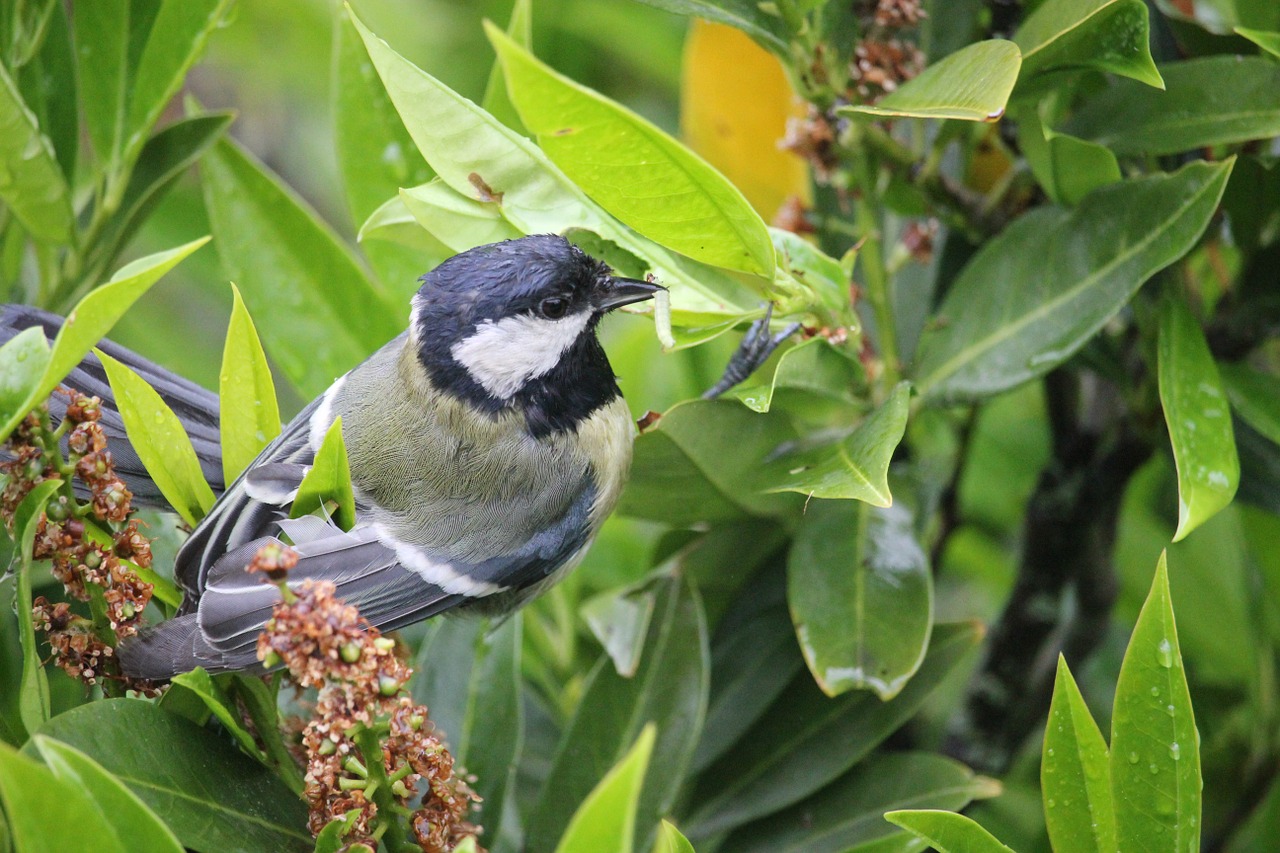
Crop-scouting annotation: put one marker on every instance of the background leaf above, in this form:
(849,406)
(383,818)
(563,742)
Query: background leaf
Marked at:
(947,832)
(31,183)
(1037,292)
(606,821)
(1198,417)
(1110,35)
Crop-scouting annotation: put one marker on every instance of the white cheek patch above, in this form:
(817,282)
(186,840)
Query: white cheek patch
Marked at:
(503,356)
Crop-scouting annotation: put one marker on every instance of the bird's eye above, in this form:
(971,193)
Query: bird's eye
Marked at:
(554,308)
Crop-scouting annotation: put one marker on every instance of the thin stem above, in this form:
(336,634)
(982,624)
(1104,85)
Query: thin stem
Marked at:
(873,269)
(379,789)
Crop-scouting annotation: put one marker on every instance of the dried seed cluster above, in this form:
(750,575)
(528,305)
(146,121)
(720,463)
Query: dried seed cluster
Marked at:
(327,645)
(881,62)
(84,650)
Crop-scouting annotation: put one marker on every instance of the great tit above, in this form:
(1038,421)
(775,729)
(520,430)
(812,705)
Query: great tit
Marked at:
(487,444)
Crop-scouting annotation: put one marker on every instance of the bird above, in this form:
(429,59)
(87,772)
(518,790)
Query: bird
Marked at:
(487,444)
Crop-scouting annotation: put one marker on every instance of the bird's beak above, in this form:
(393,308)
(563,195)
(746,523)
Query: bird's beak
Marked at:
(623,291)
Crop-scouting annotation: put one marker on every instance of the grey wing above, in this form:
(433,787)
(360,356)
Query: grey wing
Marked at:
(250,508)
(196,407)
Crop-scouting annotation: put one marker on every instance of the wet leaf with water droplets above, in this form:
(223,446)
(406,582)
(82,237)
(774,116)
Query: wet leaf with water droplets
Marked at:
(1074,768)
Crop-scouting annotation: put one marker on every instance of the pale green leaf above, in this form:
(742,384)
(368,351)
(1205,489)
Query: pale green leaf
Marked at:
(215,700)
(606,820)
(456,220)
(947,832)
(670,840)
(1198,417)
(1074,774)
(50,815)
(1155,748)
(157,436)
(327,486)
(246,394)
(972,84)
(496,101)
(1268,41)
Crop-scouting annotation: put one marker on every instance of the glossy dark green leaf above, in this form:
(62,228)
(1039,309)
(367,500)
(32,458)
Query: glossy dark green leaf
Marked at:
(1068,168)
(215,699)
(807,740)
(1254,396)
(669,691)
(700,463)
(813,367)
(1074,774)
(157,436)
(49,88)
(1155,748)
(1036,293)
(23,360)
(319,312)
(468,674)
(856,467)
(762,24)
(972,84)
(176,39)
(215,799)
(606,820)
(1215,100)
(861,596)
(120,807)
(1110,35)
(33,696)
(620,159)
(49,815)
(92,318)
(849,813)
(947,832)
(1268,41)
(479,157)
(246,394)
(1198,417)
(620,622)
(326,488)
(165,158)
(32,185)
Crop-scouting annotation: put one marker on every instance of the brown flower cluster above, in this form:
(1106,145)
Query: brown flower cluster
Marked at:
(360,709)
(84,650)
(881,63)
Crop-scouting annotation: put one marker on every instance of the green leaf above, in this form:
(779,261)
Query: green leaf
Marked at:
(1068,168)
(119,806)
(101,38)
(50,815)
(321,313)
(849,812)
(700,463)
(606,820)
(161,443)
(1036,293)
(246,394)
(861,596)
(813,367)
(92,318)
(1155,753)
(455,220)
(215,699)
(49,88)
(972,84)
(807,740)
(468,673)
(1254,396)
(31,182)
(33,696)
(164,159)
(857,467)
(496,101)
(1215,100)
(23,360)
(669,691)
(1268,41)
(762,24)
(1198,417)
(619,620)
(947,832)
(1109,35)
(670,840)
(215,799)
(176,38)
(326,488)
(1074,774)
(633,169)
(479,157)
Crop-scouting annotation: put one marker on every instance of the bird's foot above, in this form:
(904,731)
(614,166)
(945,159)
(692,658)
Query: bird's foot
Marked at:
(754,350)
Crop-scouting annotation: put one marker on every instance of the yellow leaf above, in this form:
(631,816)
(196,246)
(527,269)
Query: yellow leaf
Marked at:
(735,102)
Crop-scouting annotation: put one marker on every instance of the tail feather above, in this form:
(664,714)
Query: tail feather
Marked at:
(178,645)
(195,407)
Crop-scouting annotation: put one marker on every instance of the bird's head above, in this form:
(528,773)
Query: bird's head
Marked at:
(513,322)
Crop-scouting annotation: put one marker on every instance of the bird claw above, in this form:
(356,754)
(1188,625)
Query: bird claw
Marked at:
(753,351)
